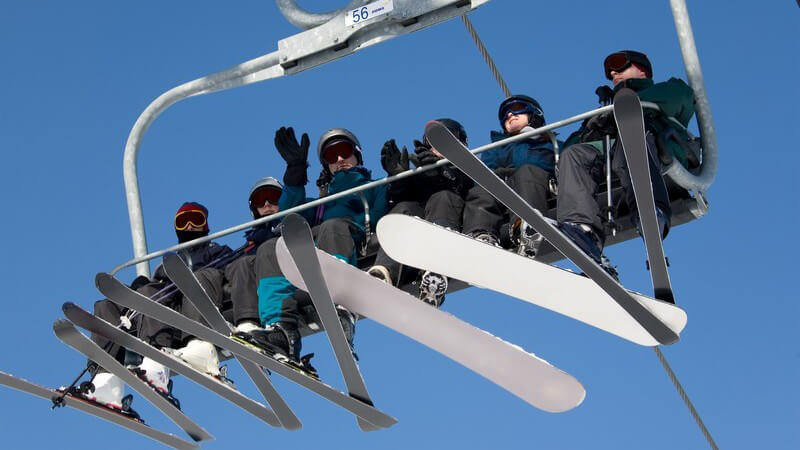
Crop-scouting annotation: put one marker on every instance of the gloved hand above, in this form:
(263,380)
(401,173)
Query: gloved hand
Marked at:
(295,154)
(424,154)
(605,95)
(598,127)
(392,159)
(323,181)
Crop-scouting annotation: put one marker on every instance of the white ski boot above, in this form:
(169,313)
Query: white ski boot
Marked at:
(108,390)
(201,355)
(381,273)
(155,374)
(247,326)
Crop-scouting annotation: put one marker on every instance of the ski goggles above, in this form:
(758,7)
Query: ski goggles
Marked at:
(616,62)
(193,217)
(263,195)
(517,108)
(341,148)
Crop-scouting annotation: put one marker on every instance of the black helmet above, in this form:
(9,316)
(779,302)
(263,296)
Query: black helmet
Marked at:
(621,60)
(338,134)
(535,113)
(266,182)
(456,128)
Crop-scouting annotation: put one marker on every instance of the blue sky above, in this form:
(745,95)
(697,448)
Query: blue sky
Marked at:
(77,75)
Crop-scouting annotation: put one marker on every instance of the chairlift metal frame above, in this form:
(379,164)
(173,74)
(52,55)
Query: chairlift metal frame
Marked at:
(329,37)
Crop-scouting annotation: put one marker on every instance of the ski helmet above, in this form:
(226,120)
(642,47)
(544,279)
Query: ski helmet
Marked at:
(338,134)
(621,60)
(264,183)
(535,113)
(456,128)
(194,214)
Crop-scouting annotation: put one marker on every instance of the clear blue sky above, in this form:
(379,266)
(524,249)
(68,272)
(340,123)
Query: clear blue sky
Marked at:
(76,75)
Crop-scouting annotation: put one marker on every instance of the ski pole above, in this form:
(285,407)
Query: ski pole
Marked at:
(607,148)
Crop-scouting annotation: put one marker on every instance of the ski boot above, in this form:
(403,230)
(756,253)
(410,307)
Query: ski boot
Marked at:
(526,239)
(105,390)
(486,237)
(381,273)
(157,377)
(281,342)
(348,321)
(203,357)
(589,241)
(432,287)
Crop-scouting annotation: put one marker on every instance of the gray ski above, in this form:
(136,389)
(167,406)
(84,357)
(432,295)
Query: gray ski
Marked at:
(300,243)
(630,124)
(68,334)
(98,411)
(452,149)
(117,292)
(94,324)
(182,276)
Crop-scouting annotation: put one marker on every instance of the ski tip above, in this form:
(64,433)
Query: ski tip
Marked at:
(625,92)
(68,306)
(61,324)
(295,220)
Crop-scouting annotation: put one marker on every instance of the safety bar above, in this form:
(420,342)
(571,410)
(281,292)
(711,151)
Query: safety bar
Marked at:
(361,188)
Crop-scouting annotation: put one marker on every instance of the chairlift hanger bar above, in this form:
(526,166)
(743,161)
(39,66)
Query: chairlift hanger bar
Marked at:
(295,55)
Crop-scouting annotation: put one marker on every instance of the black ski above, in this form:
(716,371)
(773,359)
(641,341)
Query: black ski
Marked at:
(94,324)
(68,334)
(452,149)
(630,124)
(300,243)
(182,276)
(117,292)
(98,411)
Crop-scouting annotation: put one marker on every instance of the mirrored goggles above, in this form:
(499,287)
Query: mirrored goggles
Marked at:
(193,217)
(616,62)
(338,149)
(263,195)
(518,108)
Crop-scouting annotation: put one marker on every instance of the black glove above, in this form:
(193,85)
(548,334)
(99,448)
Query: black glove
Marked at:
(598,127)
(139,281)
(295,155)
(392,159)
(423,154)
(323,181)
(605,95)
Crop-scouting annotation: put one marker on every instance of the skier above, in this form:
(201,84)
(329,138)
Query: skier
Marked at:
(191,222)
(436,195)
(338,227)
(527,166)
(581,164)
(237,281)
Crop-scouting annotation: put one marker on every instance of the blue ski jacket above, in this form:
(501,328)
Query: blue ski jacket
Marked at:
(537,151)
(350,207)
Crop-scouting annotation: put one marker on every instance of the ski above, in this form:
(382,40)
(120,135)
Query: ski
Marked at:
(300,242)
(94,324)
(117,292)
(452,149)
(98,411)
(182,276)
(525,375)
(630,124)
(69,335)
(417,243)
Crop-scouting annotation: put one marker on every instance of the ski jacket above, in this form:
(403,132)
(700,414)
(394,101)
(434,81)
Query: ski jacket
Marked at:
(197,257)
(261,233)
(350,207)
(420,187)
(674,97)
(537,151)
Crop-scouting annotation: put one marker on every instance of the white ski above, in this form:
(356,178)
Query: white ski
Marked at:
(525,375)
(417,243)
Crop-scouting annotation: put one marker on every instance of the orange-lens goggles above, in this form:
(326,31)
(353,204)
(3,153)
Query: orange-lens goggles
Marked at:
(193,217)
(616,62)
(263,195)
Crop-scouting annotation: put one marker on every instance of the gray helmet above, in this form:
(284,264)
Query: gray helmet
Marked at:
(264,182)
(338,133)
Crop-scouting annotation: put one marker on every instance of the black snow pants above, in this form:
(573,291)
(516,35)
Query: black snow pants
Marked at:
(278,300)
(483,213)
(580,172)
